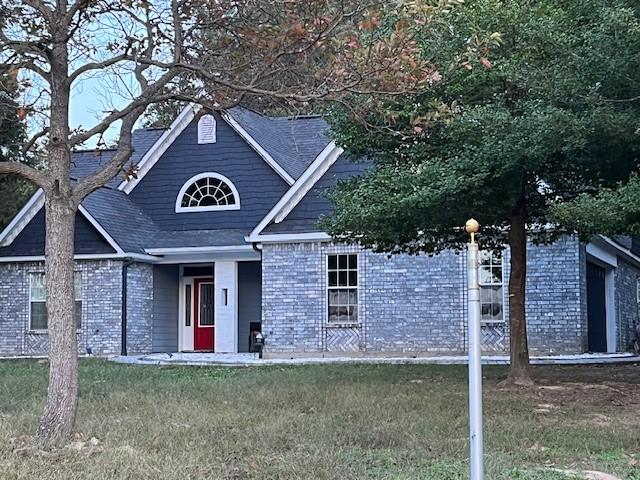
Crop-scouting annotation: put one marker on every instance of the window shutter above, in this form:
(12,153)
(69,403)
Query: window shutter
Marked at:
(207,129)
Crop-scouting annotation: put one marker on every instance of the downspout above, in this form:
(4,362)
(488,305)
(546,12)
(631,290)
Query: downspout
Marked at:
(123,334)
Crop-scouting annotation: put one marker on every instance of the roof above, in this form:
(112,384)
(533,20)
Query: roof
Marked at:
(294,142)
(303,218)
(85,162)
(299,146)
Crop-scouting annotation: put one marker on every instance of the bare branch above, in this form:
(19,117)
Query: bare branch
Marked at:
(34,176)
(28,145)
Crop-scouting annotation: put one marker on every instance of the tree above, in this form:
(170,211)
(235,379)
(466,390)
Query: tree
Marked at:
(534,122)
(13,191)
(232,49)
(610,211)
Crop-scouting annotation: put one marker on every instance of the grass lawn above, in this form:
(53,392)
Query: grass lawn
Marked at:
(324,422)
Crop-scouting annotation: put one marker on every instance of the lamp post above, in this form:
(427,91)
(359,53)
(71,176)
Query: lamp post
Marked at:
(475,360)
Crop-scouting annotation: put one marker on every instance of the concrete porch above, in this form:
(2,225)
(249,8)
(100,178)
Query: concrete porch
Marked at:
(251,359)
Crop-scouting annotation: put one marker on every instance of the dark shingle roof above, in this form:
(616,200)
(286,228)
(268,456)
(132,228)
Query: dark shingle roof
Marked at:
(293,142)
(304,217)
(122,219)
(198,238)
(86,162)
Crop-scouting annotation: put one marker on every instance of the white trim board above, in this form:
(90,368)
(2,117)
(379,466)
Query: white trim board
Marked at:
(85,256)
(292,238)
(297,192)
(190,250)
(102,231)
(33,206)
(177,127)
(162,144)
(257,147)
(22,218)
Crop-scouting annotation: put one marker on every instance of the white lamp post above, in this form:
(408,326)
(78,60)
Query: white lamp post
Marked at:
(475,360)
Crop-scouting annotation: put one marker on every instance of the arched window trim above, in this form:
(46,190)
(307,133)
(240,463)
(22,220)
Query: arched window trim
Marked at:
(210,208)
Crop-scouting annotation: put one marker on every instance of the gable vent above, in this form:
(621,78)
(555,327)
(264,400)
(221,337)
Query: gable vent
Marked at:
(207,129)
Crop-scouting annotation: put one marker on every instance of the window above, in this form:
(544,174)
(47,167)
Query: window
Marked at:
(187,305)
(37,298)
(207,192)
(207,129)
(342,271)
(491,293)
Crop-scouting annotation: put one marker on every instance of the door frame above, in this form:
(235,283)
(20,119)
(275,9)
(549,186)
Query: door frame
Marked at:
(185,334)
(609,262)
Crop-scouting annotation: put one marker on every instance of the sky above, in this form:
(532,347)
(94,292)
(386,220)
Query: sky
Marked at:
(90,102)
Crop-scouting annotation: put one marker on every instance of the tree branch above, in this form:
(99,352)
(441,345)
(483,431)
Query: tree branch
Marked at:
(15,168)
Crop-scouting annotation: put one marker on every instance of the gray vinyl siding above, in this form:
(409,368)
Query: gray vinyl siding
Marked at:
(249,300)
(165,308)
(259,186)
(31,240)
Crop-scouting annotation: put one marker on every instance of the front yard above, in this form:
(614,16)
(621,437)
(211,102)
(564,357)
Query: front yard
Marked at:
(323,422)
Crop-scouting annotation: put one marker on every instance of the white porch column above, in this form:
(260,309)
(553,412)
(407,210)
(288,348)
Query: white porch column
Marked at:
(226,307)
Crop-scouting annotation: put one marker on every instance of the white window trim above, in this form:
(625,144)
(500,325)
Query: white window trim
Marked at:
(44,331)
(501,284)
(210,208)
(327,323)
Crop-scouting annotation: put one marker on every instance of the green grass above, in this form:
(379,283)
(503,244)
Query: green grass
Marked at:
(324,422)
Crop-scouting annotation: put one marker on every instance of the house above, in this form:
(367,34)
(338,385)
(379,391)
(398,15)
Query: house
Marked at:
(217,237)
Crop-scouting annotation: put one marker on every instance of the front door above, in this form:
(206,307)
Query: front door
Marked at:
(203,318)
(596,308)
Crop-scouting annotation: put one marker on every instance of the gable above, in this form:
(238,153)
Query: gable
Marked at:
(259,186)
(304,216)
(31,240)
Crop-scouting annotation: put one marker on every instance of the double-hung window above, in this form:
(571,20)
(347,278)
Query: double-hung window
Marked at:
(491,286)
(342,271)
(37,297)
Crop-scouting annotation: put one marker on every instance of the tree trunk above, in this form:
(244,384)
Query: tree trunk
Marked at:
(520,372)
(57,421)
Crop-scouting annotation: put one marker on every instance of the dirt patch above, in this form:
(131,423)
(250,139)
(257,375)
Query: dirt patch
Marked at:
(606,394)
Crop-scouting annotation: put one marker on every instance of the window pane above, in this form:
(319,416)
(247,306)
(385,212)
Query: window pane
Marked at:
(38,287)
(38,316)
(353,262)
(206,304)
(333,262)
(496,274)
(187,305)
(77,286)
(342,278)
(353,278)
(343,299)
(333,279)
(333,314)
(353,313)
(353,297)
(485,295)
(333,297)
(78,314)
(342,261)
(485,275)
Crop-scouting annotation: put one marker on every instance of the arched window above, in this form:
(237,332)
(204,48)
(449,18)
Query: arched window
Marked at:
(206,192)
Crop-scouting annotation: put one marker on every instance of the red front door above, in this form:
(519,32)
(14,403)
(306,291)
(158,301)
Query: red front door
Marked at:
(203,325)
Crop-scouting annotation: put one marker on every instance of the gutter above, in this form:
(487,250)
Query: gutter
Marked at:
(123,335)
